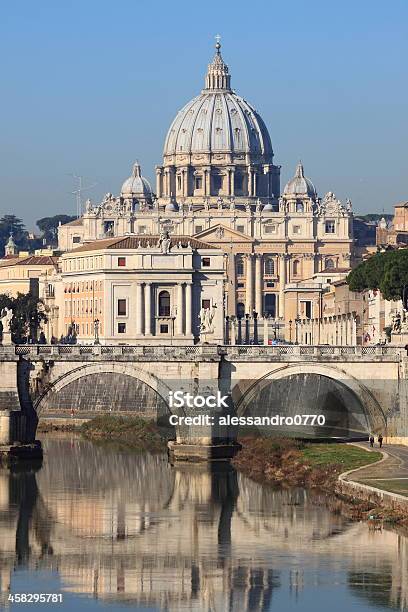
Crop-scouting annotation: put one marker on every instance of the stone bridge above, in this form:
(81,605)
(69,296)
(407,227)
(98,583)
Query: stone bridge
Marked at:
(357,389)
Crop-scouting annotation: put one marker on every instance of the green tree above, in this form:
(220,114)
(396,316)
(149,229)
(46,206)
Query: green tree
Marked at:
(28,314)
(386,271)
(49,226)
(10,224)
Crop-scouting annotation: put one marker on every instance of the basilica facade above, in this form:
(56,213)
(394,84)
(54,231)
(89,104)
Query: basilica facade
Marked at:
(219,185)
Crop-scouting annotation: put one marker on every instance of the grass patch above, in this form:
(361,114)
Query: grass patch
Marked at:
(346,456)
(293,462)
(134,432)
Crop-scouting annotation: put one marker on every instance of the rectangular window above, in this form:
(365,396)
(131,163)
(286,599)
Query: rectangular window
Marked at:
(198,182)
(206,262)
(296,229)
(121,262)
(270,284)
(76,239)
(121,307)
(121,328)
(217,182)
(205,303)
(240,285)
(164,329)
(241,228)
(198,229)
(238,181)
(270,229)
(330,227)
(179,182)
(141,229)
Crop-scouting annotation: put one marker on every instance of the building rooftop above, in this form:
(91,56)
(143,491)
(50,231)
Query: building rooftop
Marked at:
(134,242)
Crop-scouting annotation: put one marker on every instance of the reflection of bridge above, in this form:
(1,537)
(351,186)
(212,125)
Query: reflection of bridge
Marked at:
(128,527)
(367,384)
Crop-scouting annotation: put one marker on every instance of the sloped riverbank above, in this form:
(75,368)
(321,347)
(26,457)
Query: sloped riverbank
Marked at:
(288,463)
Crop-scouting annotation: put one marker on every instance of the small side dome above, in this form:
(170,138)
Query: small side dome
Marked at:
(300,185)
(268,207)
(172,206)
(136,186)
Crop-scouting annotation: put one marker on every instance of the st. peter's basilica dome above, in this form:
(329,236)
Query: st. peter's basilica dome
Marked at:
(218,146)
(218,120)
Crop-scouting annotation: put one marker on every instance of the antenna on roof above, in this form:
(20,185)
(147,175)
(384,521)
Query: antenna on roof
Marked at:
(78,192)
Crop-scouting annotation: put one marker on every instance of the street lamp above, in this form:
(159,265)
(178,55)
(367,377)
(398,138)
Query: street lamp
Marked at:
(290,330)
(275,327)
(96,331)
(297,321)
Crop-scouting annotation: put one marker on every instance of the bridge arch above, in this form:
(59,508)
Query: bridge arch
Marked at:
(305,380)
(92,372)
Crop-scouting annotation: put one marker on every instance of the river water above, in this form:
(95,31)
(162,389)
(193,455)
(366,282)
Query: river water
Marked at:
(110,529)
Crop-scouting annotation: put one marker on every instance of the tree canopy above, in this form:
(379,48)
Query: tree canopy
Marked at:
(387,272)
(10,224)
(28,314)
(49,226)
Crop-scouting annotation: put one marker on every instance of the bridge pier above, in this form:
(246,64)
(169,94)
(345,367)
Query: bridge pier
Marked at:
(18,420)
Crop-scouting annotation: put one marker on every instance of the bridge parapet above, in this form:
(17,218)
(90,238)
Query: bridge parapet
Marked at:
(294,352)
(78,352)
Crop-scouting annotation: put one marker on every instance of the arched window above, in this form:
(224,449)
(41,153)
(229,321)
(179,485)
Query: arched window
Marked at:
(329,264)
(269,266)
(164,304)
(299,206)
(240,265)
(296,267)
(240,309)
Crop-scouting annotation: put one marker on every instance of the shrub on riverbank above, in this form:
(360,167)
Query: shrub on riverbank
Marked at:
(134,432)
(291,462)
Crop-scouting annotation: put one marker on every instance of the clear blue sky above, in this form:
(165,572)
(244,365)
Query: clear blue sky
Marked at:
(89,86)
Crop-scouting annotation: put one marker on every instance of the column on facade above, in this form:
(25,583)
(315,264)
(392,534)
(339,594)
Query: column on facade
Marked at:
(232,285)
(166,183)
(148,309)
(266,331)
(233,335)
(354,330)
(189,308)
(179,311)
(159,173)
(207,182)
(254,183)
(185,182)
(282,283)
(139,309)
(258,284)
(232,181)
(249,284)
(250,181)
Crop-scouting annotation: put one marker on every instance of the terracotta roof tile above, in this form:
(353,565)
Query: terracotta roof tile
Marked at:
(132,242)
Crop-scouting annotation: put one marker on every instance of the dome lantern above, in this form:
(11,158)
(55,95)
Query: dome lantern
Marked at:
(218,76)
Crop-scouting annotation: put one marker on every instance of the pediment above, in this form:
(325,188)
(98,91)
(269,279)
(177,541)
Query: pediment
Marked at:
(220,233)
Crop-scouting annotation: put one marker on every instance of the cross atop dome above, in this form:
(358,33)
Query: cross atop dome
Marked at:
(218,76)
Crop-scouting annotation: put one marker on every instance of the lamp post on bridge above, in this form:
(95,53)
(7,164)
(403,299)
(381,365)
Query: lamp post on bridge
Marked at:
(290,330)
(297,321)
(96,331)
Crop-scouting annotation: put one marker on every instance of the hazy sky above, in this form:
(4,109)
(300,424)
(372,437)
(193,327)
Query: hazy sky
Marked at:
(89,86)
